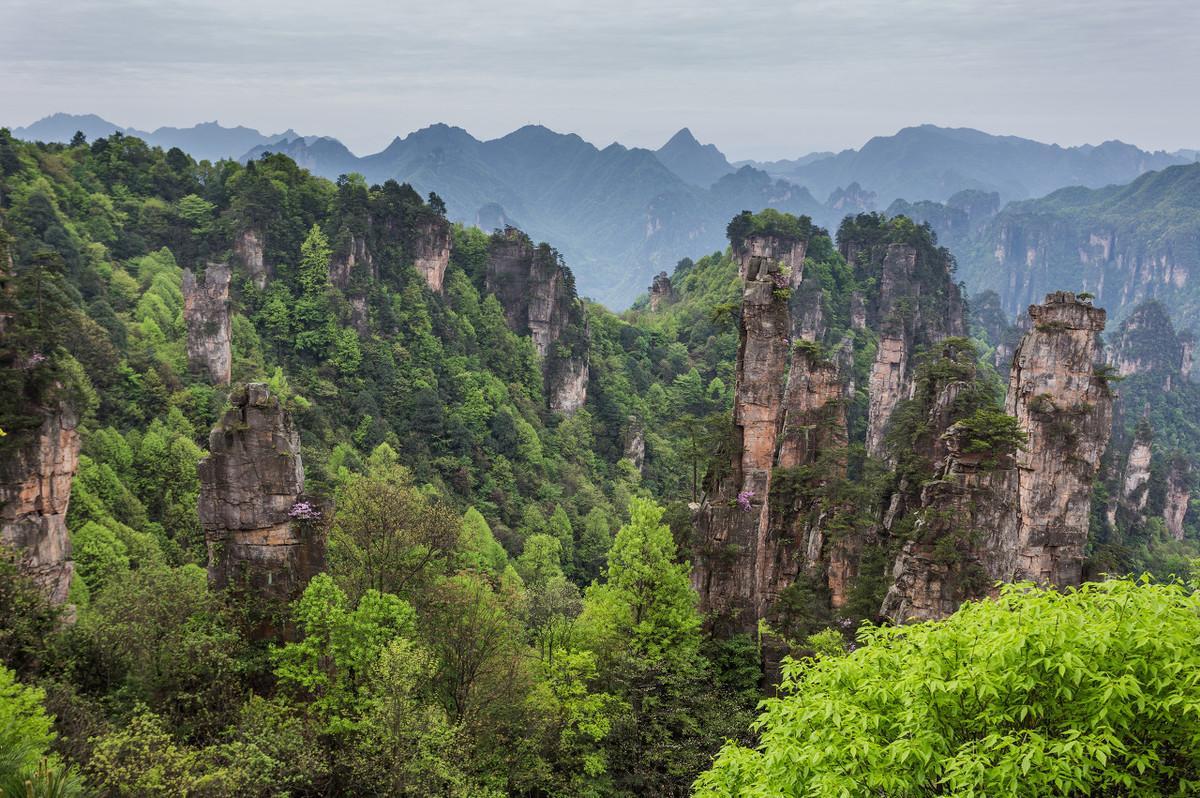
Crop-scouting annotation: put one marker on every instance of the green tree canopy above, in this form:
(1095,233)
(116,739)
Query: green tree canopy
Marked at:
(1037,693)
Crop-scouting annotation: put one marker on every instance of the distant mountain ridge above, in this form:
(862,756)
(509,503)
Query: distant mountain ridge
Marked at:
(933,163)
(205,141)
(618,214)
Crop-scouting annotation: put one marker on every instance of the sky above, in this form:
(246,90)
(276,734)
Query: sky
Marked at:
(761,79)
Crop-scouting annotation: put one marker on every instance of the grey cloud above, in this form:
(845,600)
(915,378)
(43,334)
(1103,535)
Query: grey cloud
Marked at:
(770,78)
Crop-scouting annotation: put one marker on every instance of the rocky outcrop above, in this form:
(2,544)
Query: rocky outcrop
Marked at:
(814,411)
(634,442)
(1146,343)
(660,291)
(1175,506)
(353,267)
(918,304)
(1061,399)
(262,541)
(998,512)
(206,313)
(431,251)
(963,536)
(537,292)
(742,561)
(248,249)
(567,382)
(36,469)
(887,385)
(1136,479)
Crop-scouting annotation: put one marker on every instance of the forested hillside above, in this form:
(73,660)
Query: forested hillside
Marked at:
(307,491)
(1124,243)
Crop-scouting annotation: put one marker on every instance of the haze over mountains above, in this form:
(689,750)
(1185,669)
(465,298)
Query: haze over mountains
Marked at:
(619,214)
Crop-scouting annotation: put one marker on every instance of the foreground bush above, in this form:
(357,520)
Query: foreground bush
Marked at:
(1091,692)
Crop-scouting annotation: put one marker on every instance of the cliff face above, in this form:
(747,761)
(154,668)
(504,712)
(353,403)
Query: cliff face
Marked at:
(249,251)
(964,534)
(740,567)
(353,266)
(1134,485)
(1004,513)
(1123,243)
(206,312)
(260,541)
(1175,509)
(917,305)
(35,490)
(431,251)
(537,293)
(1066,408)
(1146,343)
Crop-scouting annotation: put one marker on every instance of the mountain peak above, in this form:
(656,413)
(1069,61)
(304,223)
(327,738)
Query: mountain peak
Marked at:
(683,137)
(696,163)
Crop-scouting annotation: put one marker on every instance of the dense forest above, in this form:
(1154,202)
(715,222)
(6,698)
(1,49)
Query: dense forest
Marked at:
(507,503)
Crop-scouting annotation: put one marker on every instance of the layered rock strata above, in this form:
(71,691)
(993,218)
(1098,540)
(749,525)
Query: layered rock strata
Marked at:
(431,251)
(736,568)
(1059,396)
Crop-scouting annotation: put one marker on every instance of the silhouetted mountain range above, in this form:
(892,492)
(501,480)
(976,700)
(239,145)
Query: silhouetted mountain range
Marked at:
(207,140)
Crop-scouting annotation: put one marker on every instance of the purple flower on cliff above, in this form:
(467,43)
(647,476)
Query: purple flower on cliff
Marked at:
(743,499)
(304,511)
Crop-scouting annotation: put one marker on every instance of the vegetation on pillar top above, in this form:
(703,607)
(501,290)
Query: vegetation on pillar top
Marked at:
(770,222)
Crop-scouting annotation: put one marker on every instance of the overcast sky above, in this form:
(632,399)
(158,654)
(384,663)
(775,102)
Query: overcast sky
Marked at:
(761,79)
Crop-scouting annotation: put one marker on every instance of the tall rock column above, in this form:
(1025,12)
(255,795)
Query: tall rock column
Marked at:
(35,489)
(734,556)
(1061,399)
(917,305)
(262,542)
(537,292)
(250,251)
(964,535)
(999,512)
(206,312)
(1178,493)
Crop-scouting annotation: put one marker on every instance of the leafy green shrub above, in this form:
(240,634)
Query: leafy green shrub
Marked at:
(1036,693)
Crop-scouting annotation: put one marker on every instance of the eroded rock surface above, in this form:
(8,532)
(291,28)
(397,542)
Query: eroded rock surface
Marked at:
(660,291)
(738,564)
(251,492)
(248,248)
(206,313)
(1064,404)
(537,292)
(431,251)
(1178,493)
(36,470)
(1017,514)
